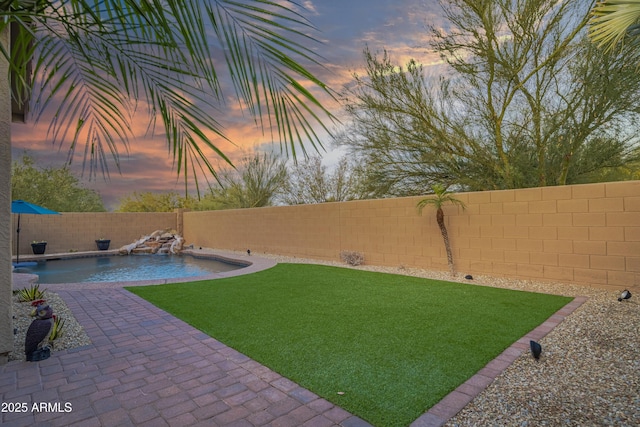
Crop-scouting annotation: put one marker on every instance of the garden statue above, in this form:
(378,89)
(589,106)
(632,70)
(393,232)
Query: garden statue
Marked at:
(36,342)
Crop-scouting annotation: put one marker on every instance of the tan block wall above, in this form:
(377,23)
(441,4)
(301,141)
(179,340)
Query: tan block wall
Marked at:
(306,230)
(78,231)
(586,234)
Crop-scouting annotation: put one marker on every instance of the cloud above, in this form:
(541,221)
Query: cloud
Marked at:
(309,6)
(345,29)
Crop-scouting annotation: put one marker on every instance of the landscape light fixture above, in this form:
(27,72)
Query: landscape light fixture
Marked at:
(536,349)
(624,295)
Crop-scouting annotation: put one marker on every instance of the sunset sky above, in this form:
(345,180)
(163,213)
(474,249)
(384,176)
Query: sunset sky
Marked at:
(345,28)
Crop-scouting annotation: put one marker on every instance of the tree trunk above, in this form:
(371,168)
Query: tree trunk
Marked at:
(6,321)
(445,237)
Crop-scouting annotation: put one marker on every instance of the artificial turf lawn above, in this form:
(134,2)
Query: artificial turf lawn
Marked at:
(395,345)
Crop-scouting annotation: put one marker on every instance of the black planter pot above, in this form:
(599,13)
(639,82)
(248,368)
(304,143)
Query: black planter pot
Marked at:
(39,248)
(103,244)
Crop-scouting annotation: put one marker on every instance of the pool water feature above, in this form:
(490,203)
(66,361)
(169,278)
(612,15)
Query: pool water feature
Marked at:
(118,268)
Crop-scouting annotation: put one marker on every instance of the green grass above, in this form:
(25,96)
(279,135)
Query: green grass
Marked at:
(395,345)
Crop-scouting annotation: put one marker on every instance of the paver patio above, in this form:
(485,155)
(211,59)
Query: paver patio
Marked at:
(148,368)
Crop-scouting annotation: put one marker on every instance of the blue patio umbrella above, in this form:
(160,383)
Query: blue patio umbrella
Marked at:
(21,207)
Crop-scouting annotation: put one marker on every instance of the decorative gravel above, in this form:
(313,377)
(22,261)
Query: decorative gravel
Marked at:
(588,374)
(73,334)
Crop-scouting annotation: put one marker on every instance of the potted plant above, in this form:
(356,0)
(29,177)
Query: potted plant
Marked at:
(103,244)
(39,247)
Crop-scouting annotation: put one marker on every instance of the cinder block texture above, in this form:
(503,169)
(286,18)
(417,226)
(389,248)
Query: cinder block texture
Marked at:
(585,234)
(72,231)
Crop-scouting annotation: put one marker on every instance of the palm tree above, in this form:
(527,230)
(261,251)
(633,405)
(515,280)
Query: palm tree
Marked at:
(442,196)
(97,63)
(613,20)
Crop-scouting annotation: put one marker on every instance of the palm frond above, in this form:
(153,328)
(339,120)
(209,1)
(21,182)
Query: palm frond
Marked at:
(612,20)
(261,64)
(97,61)
(440,197)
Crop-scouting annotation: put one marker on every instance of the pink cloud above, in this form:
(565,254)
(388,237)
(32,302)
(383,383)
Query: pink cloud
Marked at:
(399,27)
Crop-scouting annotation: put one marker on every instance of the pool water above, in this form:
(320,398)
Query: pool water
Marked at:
(125,268)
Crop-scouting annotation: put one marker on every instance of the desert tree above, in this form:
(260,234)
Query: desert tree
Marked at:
(149,201)
(255,183)
(521,99)
(56,188)
(309,181)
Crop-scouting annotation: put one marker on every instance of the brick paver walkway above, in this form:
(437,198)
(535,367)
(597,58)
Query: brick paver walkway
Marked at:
(147,368)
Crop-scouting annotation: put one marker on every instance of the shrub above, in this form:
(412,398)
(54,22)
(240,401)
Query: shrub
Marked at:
(352,257)
(56,329)
(31,293)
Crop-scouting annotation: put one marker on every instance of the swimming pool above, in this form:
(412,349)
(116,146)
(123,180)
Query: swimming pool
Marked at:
(126,268)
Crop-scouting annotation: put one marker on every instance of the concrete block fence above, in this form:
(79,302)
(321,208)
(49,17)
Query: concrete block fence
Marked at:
(73,232)
(584,234)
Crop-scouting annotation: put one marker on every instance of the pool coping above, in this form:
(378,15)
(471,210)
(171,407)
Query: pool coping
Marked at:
(253,265)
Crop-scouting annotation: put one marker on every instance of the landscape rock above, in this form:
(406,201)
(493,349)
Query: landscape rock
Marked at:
(158,242)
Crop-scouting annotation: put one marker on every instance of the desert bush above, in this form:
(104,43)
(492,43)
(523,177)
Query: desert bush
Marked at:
(31,293)
(56,329)
(352,257)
